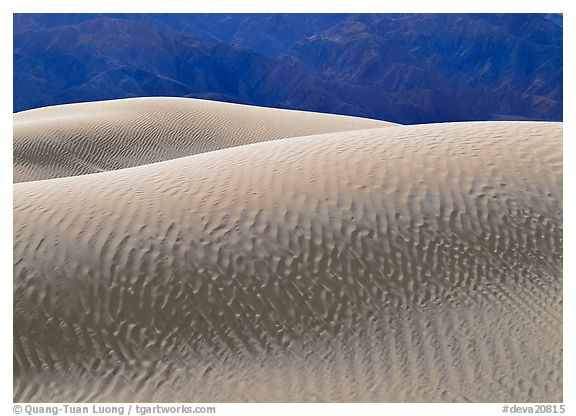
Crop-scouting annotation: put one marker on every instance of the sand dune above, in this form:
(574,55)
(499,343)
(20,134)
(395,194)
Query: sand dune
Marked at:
(413,263)
(76,139)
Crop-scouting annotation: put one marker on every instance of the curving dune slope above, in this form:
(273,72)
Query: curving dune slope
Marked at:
(416,263)
(77,139)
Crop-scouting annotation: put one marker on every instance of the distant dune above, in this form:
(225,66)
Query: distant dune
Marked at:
(77,139)
(399,263)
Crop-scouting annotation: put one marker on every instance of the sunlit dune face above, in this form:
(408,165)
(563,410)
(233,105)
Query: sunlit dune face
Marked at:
(359,262)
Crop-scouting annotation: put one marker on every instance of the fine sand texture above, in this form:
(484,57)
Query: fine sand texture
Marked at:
(77,139)
(409,263)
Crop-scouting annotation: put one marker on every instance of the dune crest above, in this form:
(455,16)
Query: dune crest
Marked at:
(77,139)
(411,263)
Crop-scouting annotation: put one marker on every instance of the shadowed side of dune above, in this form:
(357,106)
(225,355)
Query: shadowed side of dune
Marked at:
(417,263)
(76,139)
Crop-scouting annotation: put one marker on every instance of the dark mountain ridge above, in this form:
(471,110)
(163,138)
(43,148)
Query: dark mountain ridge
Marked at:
(402,67)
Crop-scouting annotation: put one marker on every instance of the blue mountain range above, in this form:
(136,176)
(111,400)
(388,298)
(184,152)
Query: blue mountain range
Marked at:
(408,68)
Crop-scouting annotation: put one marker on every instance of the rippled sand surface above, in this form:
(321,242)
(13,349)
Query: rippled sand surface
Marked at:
(77,139)
(408,263)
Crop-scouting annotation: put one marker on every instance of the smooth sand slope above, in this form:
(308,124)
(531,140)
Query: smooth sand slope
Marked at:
(414,263)
(76,139)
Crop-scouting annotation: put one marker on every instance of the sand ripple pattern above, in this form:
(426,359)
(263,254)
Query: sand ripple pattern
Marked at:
(78,139)
(413,263)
